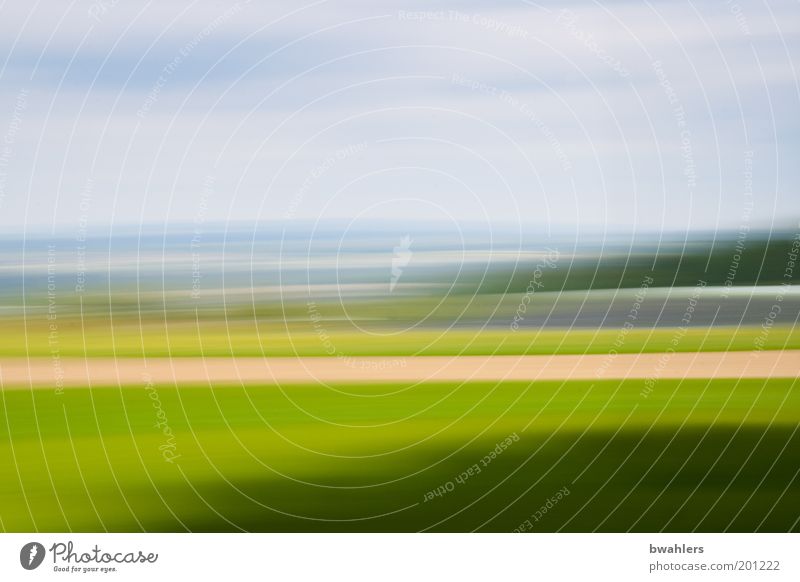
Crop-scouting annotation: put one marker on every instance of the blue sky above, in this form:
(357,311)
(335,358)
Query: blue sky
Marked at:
(654,115)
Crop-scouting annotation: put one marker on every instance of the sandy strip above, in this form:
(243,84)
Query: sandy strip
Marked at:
(66,372)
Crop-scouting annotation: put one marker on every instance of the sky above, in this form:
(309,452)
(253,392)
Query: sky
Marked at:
(615,115)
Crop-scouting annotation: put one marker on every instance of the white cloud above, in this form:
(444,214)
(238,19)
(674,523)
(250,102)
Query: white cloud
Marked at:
(241,77)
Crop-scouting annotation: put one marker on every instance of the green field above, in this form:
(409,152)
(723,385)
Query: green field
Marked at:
(131,338)
(707,455)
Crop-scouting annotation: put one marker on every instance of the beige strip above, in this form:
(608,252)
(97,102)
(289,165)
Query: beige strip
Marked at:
(46,372)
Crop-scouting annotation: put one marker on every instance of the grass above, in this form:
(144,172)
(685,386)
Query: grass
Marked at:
(710,455)
(129,338)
